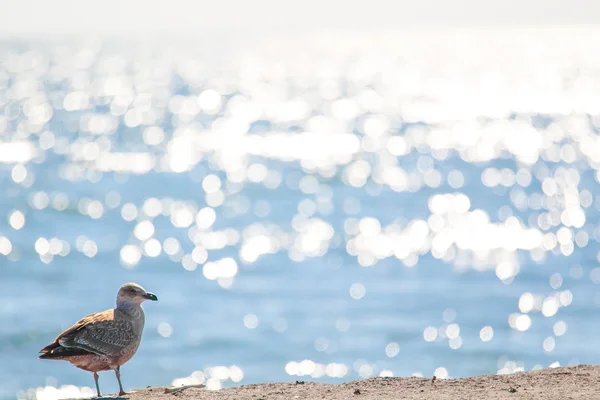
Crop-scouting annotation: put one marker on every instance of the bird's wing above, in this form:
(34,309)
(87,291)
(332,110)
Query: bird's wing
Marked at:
(100,333)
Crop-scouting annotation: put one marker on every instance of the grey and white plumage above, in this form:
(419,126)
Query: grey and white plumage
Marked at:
(106,340)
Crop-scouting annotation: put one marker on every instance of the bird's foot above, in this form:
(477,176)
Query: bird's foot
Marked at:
(122,393)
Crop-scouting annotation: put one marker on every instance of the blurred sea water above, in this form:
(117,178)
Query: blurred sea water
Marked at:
(327,208)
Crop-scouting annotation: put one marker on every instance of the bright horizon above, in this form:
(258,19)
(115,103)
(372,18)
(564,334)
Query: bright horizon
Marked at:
(114,17)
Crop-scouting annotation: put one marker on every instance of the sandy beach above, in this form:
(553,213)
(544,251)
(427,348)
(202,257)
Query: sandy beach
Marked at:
(579,382)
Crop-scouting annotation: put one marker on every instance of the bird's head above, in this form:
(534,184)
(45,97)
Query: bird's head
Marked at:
(134,293)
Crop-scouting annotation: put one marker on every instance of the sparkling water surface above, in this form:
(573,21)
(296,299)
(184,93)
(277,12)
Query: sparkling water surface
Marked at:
(324,209)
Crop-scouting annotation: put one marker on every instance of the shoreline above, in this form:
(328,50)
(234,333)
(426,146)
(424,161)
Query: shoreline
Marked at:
(578,382)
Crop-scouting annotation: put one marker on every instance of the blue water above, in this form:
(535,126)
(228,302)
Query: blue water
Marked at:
(298,299)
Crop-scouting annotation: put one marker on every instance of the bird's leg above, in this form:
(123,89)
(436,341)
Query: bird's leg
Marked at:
(118,374)
(97,386)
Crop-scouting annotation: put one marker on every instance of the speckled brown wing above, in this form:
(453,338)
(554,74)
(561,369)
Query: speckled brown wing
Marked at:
(101,333)
(70,333)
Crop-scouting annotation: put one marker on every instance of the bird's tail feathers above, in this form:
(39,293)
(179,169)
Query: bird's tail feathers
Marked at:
(57,352)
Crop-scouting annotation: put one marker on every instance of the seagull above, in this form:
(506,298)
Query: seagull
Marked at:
(105,340)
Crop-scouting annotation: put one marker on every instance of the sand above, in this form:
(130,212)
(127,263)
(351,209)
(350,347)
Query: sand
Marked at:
(580,382)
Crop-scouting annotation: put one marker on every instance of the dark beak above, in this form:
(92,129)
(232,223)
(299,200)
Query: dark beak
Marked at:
(150,296)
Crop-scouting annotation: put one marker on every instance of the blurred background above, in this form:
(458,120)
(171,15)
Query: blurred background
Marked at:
(316,191)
